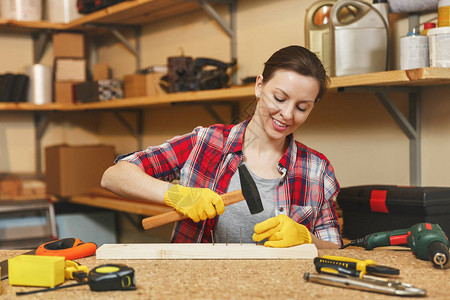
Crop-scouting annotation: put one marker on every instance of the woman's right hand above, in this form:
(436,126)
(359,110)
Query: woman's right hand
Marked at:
(195,203)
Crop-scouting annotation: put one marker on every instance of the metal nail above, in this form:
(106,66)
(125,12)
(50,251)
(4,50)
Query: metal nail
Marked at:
(226,236)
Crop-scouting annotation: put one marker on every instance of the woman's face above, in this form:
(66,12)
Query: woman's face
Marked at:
(285,102)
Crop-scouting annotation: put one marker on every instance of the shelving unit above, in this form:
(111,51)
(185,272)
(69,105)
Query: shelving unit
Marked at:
(393,79)
(129,14)
(138,12)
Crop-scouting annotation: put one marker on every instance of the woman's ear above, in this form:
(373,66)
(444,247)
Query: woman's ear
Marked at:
(258,86)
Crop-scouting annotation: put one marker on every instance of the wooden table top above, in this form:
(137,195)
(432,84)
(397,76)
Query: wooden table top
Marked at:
(243,279)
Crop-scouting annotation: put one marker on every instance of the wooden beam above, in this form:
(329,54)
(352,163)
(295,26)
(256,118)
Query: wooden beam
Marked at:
(204,251)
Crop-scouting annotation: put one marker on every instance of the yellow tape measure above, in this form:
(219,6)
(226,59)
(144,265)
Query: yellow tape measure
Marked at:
(111,277)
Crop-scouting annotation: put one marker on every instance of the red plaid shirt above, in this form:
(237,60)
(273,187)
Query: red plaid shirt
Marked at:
(208,158)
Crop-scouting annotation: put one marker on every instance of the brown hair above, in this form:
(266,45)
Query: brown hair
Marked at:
(299,60)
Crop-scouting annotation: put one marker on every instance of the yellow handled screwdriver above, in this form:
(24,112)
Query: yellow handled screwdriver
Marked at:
(363,266)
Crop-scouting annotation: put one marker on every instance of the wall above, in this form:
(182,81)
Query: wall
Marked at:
(354,131)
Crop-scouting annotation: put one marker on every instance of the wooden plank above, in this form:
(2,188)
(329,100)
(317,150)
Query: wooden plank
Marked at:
(204,251)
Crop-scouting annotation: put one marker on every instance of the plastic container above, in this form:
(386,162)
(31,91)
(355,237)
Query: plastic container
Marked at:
(414,52)
(62,11)
(443,13)
(317,31)
(40,88)
(359,37)
(427,26)
(36,270)
(374,208)
(21,10)
(439,47)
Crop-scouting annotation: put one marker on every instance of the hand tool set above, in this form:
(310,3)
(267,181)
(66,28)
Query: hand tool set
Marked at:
(53,264)
(69,248)
(361,275)
(109,277)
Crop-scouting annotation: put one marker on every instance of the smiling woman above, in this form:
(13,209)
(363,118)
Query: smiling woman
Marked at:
(296,183)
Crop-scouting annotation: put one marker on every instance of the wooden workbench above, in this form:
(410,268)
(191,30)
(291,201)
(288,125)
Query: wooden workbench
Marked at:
(244,279)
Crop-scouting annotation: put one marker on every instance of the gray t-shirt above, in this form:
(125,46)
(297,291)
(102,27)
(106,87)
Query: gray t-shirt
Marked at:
(237,216)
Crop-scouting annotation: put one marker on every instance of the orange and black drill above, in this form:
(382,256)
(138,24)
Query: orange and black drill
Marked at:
(427,242)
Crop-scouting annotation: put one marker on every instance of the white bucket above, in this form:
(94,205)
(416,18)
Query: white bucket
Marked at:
(21,10)
(414,52)
(62,11)
(439,45)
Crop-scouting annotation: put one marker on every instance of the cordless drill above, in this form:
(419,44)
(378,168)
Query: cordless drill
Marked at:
(427,242)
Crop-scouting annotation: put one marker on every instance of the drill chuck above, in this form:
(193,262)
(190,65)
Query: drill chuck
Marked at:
(438,254)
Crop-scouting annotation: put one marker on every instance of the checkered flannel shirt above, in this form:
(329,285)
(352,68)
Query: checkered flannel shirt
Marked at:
(208,158)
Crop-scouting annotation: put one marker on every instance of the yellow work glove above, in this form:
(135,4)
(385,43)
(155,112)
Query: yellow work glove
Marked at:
(281,231)
(195,203)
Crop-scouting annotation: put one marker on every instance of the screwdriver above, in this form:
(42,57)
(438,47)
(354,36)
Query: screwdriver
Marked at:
(363,266)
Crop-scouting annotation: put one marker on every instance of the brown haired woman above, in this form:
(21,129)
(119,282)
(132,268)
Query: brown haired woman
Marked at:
(296,183)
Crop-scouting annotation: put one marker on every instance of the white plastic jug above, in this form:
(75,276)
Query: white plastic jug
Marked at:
(317,31)
(360,37)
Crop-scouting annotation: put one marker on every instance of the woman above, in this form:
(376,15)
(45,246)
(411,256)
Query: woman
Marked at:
(296,183)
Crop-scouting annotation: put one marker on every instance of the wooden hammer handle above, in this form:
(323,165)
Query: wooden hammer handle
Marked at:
(173,216)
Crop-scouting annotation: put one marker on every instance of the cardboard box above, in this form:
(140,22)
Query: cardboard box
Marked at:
(86,91)
(70,69)
(74,170)
(139,85)
(110,89)
(68,45)
(101,72)
(64,92)
(10,187)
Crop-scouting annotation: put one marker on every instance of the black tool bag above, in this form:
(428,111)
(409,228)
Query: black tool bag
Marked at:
(88,6)
(199,74)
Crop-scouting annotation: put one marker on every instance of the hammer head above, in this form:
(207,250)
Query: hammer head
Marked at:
(250,191)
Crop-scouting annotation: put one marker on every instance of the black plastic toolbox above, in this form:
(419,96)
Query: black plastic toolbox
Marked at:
(372,208)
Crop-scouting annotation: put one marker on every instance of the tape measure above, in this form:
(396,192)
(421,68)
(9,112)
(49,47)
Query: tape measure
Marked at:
(102,278)
(111,277)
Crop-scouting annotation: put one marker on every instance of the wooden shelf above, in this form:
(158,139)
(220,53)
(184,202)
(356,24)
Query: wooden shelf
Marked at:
(416,77)
(27,27)
(229,94)
(136,12)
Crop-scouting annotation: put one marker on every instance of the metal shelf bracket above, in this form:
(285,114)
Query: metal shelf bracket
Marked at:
(228,27)
(410,125)
(40,41)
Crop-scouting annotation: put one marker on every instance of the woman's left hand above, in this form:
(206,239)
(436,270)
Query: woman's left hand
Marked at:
(281,231)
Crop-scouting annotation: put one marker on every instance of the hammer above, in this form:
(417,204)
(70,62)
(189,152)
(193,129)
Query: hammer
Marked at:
(249,193)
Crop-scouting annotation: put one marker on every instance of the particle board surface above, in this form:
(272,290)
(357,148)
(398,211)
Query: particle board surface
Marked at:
(203,251)
(242,279)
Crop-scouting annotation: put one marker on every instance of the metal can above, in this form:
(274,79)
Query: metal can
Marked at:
(443,13)
(414,52)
